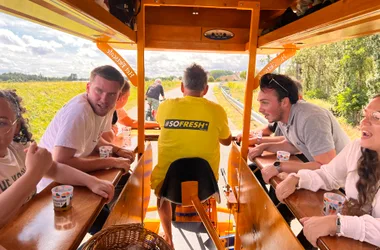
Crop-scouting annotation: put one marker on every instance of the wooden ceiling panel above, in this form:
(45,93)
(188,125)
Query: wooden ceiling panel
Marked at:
(183,16)
(338,21)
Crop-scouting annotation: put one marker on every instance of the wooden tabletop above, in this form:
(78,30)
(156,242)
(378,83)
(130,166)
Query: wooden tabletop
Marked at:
(37,226)
(305,203)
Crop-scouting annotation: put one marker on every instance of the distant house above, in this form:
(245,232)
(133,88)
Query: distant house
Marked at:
(234,77)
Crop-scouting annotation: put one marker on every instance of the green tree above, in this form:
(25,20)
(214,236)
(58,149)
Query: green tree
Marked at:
(243,74)
(211,79)
(218,73)
(350,102)
(346,73)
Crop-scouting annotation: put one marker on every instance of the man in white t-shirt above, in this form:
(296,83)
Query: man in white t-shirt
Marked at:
(75,131)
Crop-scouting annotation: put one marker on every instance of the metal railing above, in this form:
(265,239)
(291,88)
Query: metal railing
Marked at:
(254,116)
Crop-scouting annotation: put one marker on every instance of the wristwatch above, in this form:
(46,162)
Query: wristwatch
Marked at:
(277,165)
(338,224)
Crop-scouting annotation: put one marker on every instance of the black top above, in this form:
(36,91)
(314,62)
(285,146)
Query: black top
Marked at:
(272,126)
(115,118)
(154,91)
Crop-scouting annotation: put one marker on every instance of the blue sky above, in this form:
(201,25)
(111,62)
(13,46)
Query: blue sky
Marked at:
(31,48)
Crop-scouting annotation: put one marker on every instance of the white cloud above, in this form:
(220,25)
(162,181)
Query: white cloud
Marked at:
(9,38)
(33,42)
(35,49)
(2,23)
(88,52)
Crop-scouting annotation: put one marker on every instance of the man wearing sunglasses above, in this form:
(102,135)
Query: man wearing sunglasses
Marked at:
(307,128)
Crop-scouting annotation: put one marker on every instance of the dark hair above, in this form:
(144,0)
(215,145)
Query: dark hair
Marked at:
(283,85)
(195,78)
(369,176)
(108,72)
(299,87)
(14,100)
(125,88)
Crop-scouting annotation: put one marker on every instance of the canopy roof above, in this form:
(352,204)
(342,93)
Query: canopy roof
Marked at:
(181,24)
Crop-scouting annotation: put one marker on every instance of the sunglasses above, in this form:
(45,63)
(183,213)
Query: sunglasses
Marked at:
(373,116)
(274,80)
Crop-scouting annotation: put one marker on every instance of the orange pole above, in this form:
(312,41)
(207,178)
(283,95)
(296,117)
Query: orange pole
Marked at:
(252,45)
(255,16)
(141,80)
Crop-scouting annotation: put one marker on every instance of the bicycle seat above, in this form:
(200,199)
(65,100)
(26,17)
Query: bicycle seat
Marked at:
(189,169)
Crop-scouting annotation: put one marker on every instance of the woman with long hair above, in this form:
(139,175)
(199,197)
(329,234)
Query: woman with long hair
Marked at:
(357,169)
(23,163)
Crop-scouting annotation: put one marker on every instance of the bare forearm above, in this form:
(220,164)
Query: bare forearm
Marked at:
(65,174)
(87,164)
(294,167)
(150,125)
(108,136)
(281,146)
(270,139)
(14,197)
(226,141)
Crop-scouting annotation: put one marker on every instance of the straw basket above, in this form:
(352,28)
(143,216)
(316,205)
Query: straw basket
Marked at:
(127,236)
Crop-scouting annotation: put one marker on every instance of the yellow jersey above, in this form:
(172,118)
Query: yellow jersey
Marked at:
(190,127)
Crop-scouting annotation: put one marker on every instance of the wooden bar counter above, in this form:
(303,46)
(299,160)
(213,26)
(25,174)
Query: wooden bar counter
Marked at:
(37,226)
(305,203)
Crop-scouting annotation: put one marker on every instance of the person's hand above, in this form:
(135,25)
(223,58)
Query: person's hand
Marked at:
(238,137)
(251,140)
(128,154)
(256,151)
(315,227)
(103,188)
(282,175)
(286,187)
(120,162)
(38,160)
(268,173)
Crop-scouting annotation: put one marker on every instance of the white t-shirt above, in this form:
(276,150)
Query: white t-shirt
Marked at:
(12,167)
(76,126)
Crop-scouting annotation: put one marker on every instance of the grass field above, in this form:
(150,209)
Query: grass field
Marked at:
(43,99)
(233,114)
(237,91)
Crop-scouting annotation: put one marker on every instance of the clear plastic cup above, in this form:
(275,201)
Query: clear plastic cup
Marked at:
(333,203)
(62,197)
(283,155)
(126,130)
(127,136)
(105,151)
(258,134)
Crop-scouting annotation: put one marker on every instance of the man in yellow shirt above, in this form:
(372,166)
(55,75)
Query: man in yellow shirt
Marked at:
(191,126)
